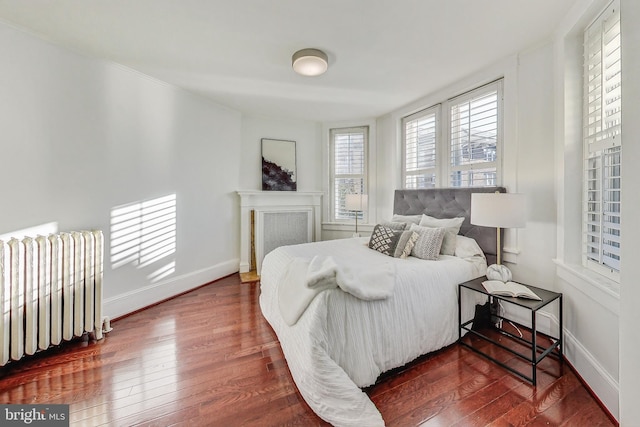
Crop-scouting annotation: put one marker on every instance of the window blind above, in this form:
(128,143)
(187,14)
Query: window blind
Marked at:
(456,142)
(602,142)
(474,137)
(349,167)
(419,139)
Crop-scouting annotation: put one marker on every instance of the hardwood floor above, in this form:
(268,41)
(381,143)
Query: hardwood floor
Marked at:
(208,358)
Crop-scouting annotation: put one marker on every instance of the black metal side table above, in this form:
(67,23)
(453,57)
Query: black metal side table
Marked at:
(537,352)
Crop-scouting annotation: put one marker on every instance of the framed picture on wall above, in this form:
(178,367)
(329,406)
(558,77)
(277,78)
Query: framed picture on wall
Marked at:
(278,165)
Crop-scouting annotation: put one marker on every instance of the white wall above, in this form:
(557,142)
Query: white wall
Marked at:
(307,136)
(630,289)
(533,174)
(81,137)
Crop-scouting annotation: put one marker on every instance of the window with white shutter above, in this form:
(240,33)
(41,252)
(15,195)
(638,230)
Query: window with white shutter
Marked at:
(348,148)
(475,135)
(602,143)
(420,132)
(464,151)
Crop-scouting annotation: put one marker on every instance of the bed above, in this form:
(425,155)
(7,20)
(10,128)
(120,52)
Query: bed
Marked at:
(337,341)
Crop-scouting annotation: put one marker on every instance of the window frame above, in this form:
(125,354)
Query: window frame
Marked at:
(443,146)
(362,215)
(434,111)
(496,163)
(599,143)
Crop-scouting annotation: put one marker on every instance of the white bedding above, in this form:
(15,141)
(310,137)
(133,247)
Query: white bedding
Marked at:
(305,278)
(341,343)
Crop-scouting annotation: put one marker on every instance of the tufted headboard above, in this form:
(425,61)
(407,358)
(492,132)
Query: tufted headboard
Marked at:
(450,203)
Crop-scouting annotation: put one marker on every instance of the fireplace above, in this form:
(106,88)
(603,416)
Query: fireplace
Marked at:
(280,218)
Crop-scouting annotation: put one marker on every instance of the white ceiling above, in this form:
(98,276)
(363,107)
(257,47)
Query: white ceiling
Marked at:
(382,53)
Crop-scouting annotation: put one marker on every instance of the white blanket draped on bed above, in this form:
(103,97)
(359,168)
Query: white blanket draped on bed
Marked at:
(304,279)
(341,343)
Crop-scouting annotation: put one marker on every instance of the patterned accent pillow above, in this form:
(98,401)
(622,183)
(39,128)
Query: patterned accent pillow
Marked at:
(452,227)
(395,243)
(429,243)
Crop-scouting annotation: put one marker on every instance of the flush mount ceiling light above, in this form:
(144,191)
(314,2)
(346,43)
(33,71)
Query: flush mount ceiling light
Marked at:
(310,62)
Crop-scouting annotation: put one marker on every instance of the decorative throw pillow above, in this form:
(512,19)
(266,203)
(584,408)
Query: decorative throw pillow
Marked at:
(452,227)
(395,243)
(429,242)
(406,244)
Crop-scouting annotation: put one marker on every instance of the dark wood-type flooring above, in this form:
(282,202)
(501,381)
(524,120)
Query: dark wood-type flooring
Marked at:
(208,358)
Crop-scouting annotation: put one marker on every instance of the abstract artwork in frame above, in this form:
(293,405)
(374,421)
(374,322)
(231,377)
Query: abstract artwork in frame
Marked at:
(278,165)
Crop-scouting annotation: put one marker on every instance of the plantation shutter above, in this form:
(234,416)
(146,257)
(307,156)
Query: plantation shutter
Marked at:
(419,140)
(349,167)
(474,137)
(602,140)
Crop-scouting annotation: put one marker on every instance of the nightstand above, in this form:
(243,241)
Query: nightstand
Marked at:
(533,346)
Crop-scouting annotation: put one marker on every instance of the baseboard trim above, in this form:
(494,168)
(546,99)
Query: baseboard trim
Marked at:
(129,302)
(600,383)
(591,392)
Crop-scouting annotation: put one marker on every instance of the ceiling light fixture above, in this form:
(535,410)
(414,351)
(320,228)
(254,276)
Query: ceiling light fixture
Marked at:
(309,62)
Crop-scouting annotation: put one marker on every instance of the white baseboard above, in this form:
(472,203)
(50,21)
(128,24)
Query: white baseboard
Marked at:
(129,302)
(245,267)
(599,380)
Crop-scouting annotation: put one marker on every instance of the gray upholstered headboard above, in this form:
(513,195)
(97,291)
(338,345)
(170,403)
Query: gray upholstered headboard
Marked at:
(449,203)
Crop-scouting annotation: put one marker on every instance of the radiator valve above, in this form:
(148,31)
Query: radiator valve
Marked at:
(106,324)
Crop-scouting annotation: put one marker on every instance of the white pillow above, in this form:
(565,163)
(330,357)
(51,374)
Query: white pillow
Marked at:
(451,224)
(467,247)
(452,228)
(409,219)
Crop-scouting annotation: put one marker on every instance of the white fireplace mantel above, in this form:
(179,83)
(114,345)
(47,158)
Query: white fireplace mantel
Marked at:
(273,201)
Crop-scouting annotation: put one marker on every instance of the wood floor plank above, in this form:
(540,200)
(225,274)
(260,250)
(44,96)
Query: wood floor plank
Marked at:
(209,358)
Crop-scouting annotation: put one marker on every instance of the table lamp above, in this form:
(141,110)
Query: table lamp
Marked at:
(500,210)
(356,203)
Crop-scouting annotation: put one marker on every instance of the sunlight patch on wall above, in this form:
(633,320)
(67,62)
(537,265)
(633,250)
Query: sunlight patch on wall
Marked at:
(144,233)
(162,272)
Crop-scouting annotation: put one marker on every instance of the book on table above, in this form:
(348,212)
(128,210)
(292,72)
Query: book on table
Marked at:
(509,289)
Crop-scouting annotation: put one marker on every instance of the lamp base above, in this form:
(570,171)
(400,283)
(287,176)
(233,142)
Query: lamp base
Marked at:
(356,235)
(499,272)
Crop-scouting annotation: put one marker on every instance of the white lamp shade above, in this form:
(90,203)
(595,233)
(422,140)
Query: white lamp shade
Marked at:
(504,210)
(309,62)
(356,202)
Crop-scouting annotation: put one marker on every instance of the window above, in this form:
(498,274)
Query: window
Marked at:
(602,143)
(419,141)
(474,135)
(469,157)
(348,151)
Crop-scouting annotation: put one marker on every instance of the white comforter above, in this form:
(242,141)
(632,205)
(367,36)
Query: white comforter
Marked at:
(304,279)
(342,343)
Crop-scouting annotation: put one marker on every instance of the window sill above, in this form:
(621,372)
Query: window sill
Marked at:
(599,288)
(340,226)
